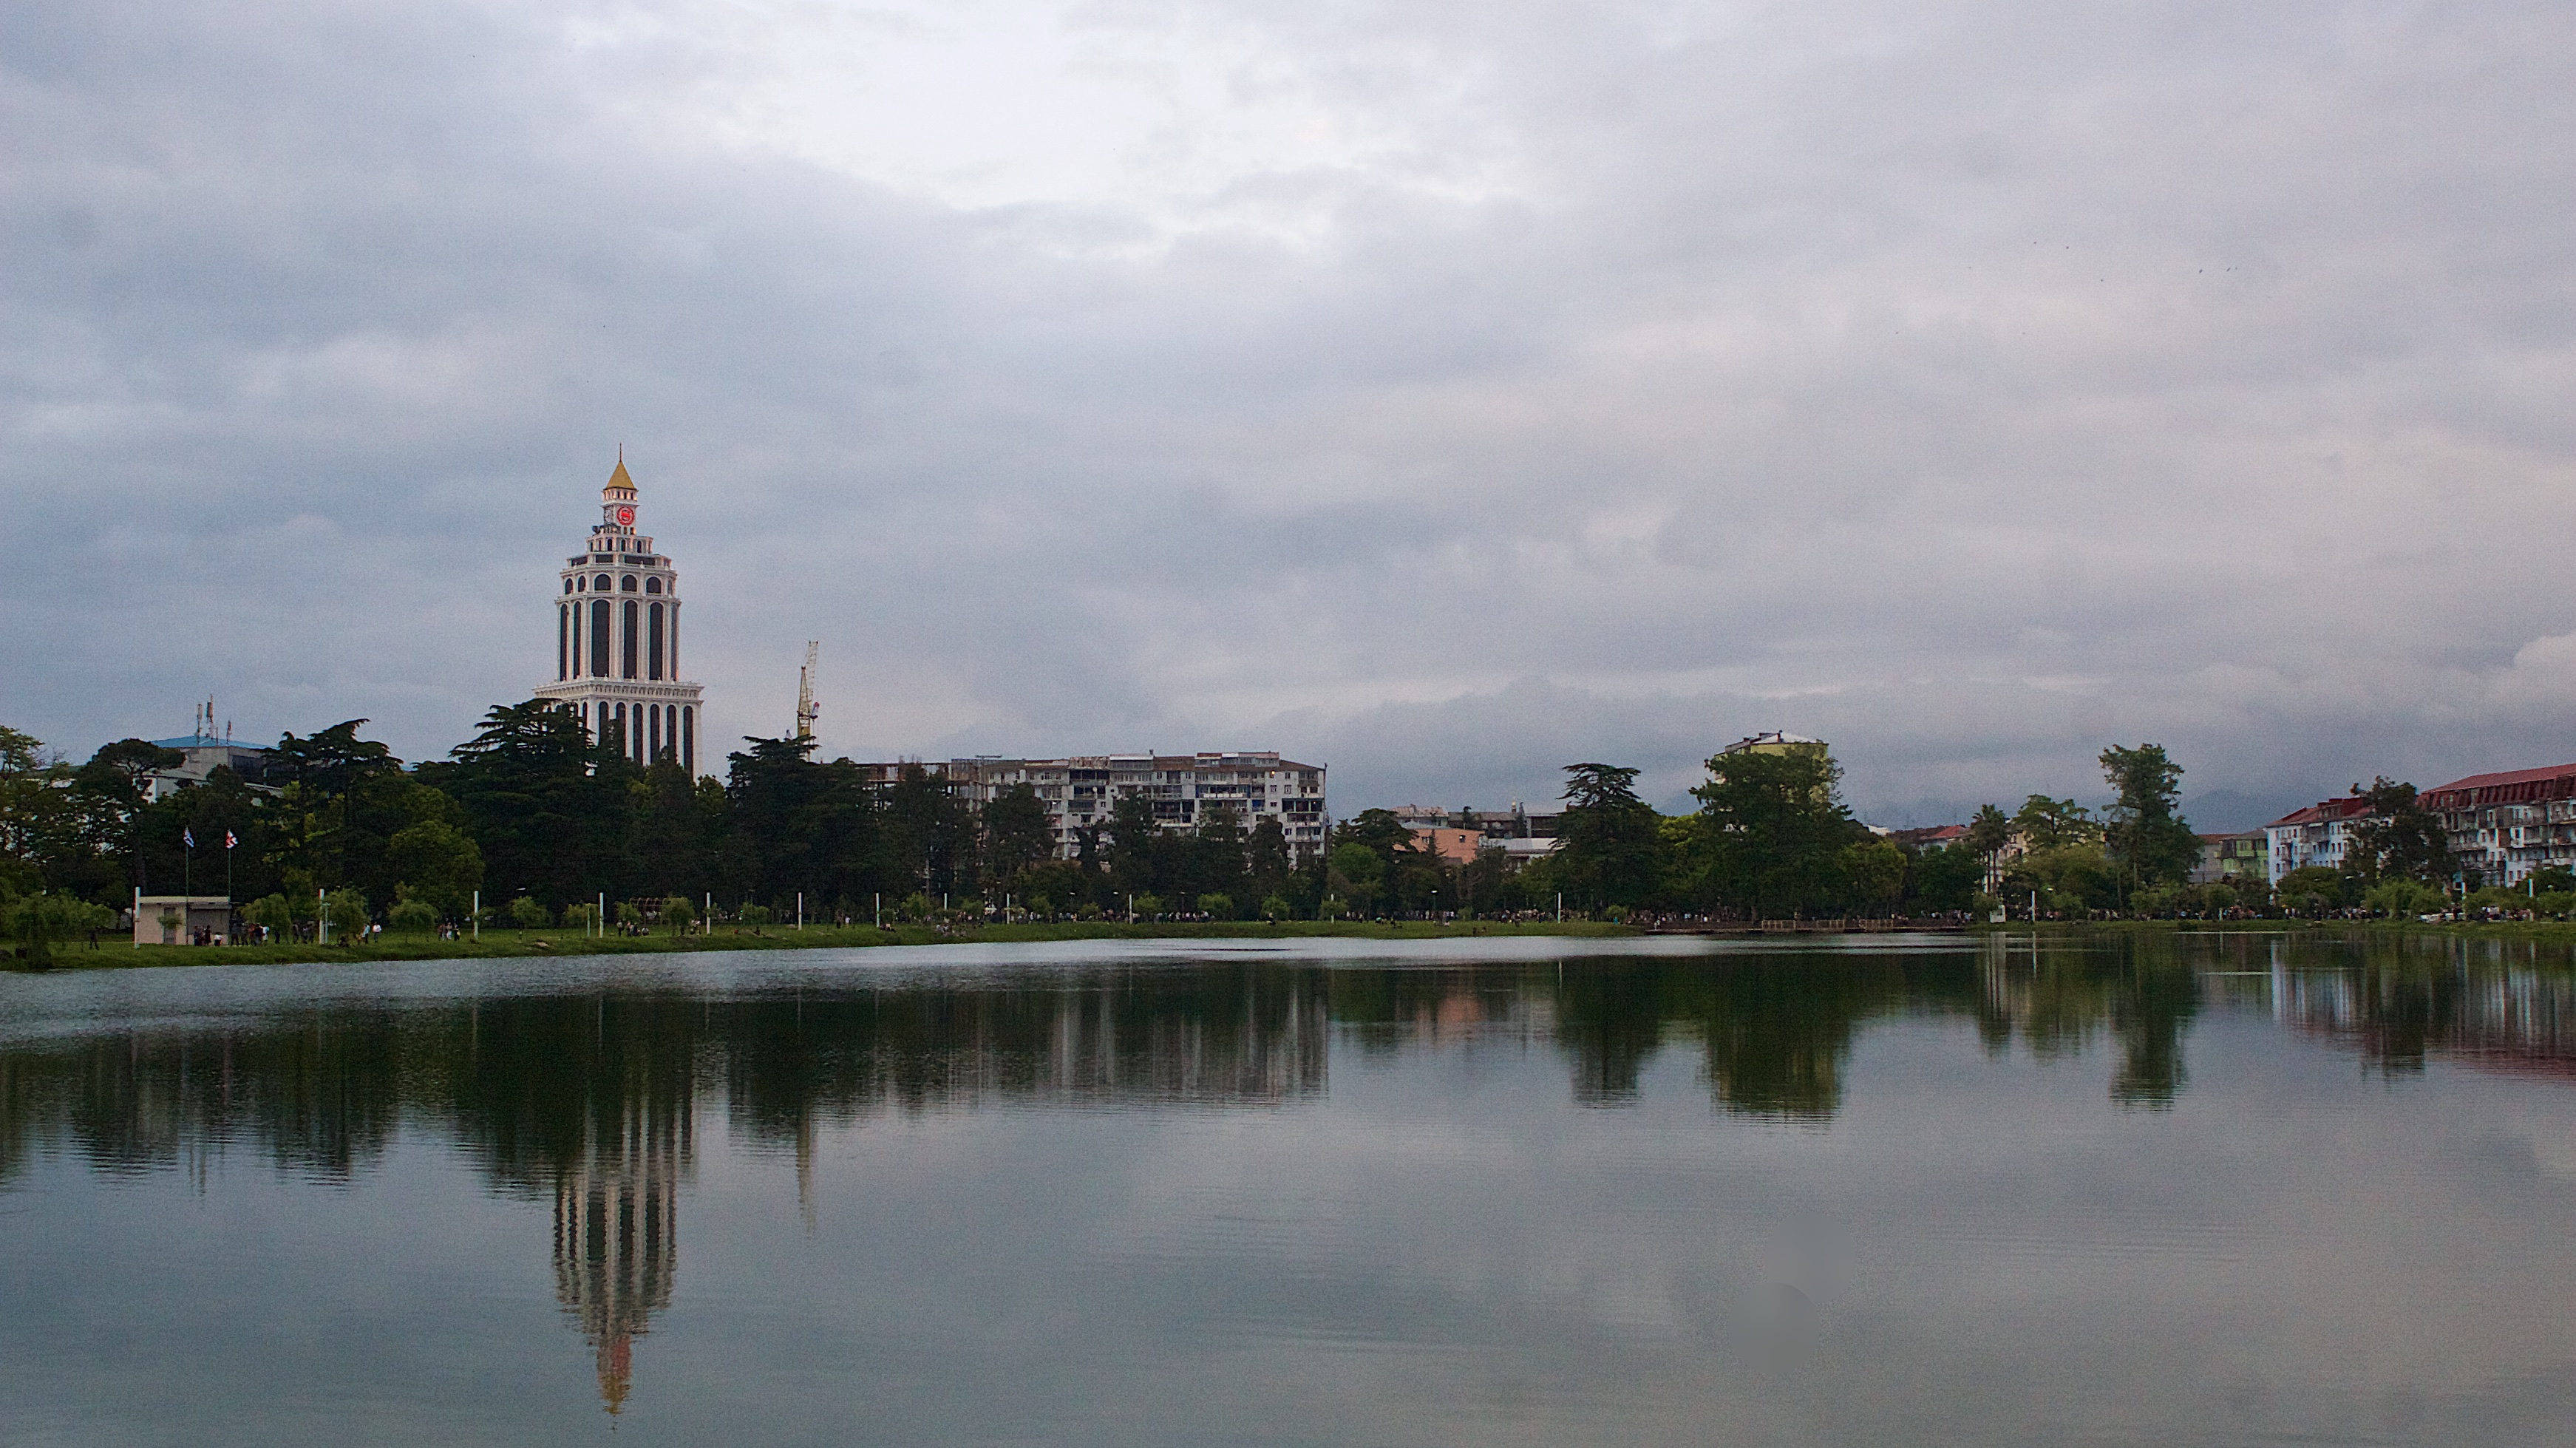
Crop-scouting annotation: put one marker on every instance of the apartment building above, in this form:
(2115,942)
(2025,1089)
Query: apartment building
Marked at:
(1079,791)
(2316,835)
(2238,854)
(2504,826)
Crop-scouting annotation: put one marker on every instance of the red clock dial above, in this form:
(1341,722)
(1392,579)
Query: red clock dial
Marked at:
(625,517)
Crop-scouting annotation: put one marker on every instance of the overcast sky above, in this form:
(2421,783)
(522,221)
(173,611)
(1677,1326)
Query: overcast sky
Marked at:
(1444,392)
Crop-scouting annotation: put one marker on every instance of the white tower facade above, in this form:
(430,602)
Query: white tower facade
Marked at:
(617,639)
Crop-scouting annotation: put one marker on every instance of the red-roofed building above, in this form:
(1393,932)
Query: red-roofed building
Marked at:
(2241,853)
(2312,836)
(2507,825)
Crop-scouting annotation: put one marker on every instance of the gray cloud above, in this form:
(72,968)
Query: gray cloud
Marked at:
(1449,392)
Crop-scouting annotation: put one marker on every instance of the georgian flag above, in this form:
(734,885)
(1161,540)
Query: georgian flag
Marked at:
(188,837)
(229,841)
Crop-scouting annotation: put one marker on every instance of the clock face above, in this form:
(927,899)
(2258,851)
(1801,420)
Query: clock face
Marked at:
(625,517)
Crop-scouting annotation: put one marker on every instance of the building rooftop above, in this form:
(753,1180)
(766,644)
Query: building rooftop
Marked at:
(2555,782)
(2322,812)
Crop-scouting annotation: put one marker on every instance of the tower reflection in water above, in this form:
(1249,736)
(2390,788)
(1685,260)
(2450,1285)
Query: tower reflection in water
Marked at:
(591,1103)
(617,1236)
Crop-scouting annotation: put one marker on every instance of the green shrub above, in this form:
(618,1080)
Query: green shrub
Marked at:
(679,914)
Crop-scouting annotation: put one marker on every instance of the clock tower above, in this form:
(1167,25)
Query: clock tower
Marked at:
(617,639)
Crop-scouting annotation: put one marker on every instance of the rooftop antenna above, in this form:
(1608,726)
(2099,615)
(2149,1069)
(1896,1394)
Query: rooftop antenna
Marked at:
(806,708)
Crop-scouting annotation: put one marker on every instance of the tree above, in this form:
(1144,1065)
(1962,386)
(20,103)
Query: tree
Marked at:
(38,824)
(346,912)
(1357,872)
(798,827)
(2047,824)
(525,787)
(1611,841)
(1989,832)
(272,913)
(1874,871)
(529,913)
(678,914)
(435,862)
(2310,890)
(1266,861)
(1772,829)
(340,797)
(1017,834)
(927,831)
(35,923)
(2145,839)
(2396,837)
(111,792)
(1951,878)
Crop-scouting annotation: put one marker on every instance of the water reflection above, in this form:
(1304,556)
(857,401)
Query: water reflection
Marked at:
(593,1104)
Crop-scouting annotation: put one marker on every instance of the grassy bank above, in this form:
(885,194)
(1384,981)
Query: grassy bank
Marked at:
(501,944)
(2561,931)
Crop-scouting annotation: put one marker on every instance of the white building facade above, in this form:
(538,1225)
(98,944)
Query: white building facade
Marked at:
(2316,835)
(1184,789)
(617,639)
(2504,826)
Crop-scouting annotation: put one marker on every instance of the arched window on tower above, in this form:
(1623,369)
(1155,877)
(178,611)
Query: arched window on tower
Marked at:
(653,642)
(689,739)
(652,585)
(599,638)
(626,641)
(626,584)
(599,584)
(563,641)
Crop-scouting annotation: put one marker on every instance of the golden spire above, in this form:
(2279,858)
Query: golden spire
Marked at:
(621,488)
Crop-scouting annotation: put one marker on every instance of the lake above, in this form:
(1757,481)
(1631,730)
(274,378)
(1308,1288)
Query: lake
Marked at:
(2198,1189)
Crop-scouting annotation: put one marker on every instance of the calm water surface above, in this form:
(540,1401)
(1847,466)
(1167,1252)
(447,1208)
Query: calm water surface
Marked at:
(2219,1190)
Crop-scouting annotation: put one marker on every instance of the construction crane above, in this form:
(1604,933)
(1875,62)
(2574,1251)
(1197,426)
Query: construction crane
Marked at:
(806,708)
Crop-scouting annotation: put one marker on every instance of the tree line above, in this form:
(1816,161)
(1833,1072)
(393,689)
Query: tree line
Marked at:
(550,825)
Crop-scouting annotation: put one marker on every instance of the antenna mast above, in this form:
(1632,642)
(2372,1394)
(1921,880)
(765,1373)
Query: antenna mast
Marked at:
(806,708)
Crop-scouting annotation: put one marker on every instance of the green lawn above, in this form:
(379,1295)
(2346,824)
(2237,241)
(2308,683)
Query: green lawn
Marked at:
(506,942)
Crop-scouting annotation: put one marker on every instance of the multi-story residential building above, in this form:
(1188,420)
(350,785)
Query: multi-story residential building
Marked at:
(2241,854)
(1458,836)
(2504,826)
(2316,835)
(1079,791)
(1516,823)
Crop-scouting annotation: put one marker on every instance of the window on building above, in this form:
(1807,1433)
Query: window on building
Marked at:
(627,584)
(652,585)
(599,638)
(563,641)
(627,642)
(689,738)
(653,643)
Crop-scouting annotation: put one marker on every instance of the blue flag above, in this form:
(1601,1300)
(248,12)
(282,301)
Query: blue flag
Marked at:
(188,837)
